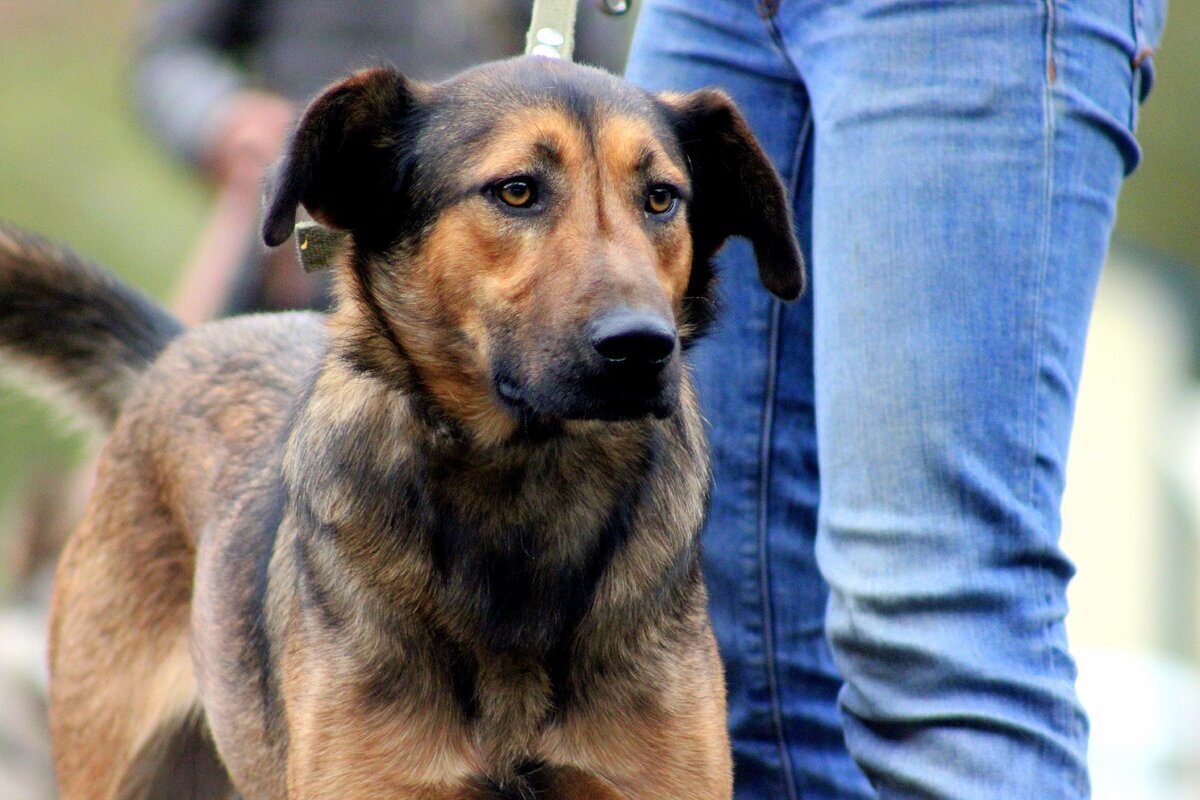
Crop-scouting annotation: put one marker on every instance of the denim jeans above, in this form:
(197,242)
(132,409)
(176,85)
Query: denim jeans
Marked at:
(882,550)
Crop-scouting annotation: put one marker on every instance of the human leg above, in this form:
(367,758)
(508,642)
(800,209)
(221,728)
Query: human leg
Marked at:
(967,162)
(755,380)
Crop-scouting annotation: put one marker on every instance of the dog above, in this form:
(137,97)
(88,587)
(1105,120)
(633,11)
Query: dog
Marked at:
(441,543)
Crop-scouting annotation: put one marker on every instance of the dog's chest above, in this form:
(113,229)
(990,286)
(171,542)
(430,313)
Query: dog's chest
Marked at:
(524,587)
(476,611)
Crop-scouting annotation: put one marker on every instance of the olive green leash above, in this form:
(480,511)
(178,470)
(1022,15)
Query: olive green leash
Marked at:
(552,29)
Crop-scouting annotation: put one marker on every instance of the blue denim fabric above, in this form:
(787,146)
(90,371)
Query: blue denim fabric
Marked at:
(889,451)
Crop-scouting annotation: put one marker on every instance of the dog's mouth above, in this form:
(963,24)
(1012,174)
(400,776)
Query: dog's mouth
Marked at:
(511,396)
(589,399)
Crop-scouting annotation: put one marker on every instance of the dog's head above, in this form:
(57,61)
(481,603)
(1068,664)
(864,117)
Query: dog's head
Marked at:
(534,237)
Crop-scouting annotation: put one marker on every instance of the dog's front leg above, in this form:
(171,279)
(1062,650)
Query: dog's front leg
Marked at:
(349,743)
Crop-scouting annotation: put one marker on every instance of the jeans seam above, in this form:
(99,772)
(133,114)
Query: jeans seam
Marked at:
(768,420)
(1043,256)
(1044,244)
(1050,132)
(768,616)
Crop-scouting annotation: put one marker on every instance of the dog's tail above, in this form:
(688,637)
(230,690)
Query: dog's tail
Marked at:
(73,323)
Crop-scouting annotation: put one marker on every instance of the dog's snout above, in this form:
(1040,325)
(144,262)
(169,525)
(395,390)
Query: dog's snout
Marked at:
(636,338)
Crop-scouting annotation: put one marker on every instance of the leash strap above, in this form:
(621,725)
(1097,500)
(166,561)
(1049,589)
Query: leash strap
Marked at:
(552,29)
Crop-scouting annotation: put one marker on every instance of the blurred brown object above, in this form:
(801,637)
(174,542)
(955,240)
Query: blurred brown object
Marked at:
(249,134)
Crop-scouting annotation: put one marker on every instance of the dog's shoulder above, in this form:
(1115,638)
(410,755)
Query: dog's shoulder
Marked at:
(251,362)
(211,412)
(254,341)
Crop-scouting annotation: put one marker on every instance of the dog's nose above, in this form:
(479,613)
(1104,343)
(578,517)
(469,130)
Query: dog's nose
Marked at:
(636,338)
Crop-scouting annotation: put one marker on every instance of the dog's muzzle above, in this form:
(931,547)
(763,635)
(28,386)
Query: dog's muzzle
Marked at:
(624,365)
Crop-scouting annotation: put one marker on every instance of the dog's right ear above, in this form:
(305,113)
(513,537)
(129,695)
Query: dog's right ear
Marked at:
(345,160)
(737,191)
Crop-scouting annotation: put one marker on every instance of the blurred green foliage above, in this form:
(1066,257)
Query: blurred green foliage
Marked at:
(75,166)
(1160,204)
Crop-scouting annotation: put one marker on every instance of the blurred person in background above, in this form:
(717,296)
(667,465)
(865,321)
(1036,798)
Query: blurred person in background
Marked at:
(220,83)
(882,553)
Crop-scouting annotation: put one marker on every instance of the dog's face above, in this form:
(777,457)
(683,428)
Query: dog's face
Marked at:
(536,236)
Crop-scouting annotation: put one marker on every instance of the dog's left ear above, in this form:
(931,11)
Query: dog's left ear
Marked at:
(345,159)
(735,189)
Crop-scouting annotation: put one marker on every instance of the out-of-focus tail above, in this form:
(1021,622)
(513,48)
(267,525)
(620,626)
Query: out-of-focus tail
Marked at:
(74,324)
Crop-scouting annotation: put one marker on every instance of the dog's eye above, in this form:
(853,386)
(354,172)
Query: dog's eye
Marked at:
(661,200)
(518,193)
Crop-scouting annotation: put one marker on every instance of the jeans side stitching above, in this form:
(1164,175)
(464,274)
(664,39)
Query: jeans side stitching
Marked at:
(768,617)
(1044,244)
(768,419)
(1050,132)
(1048,129)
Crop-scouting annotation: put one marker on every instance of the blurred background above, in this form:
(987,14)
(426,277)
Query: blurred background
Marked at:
(78,164)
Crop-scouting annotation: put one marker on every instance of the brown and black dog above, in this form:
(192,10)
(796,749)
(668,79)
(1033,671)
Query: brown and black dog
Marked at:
(441,544)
